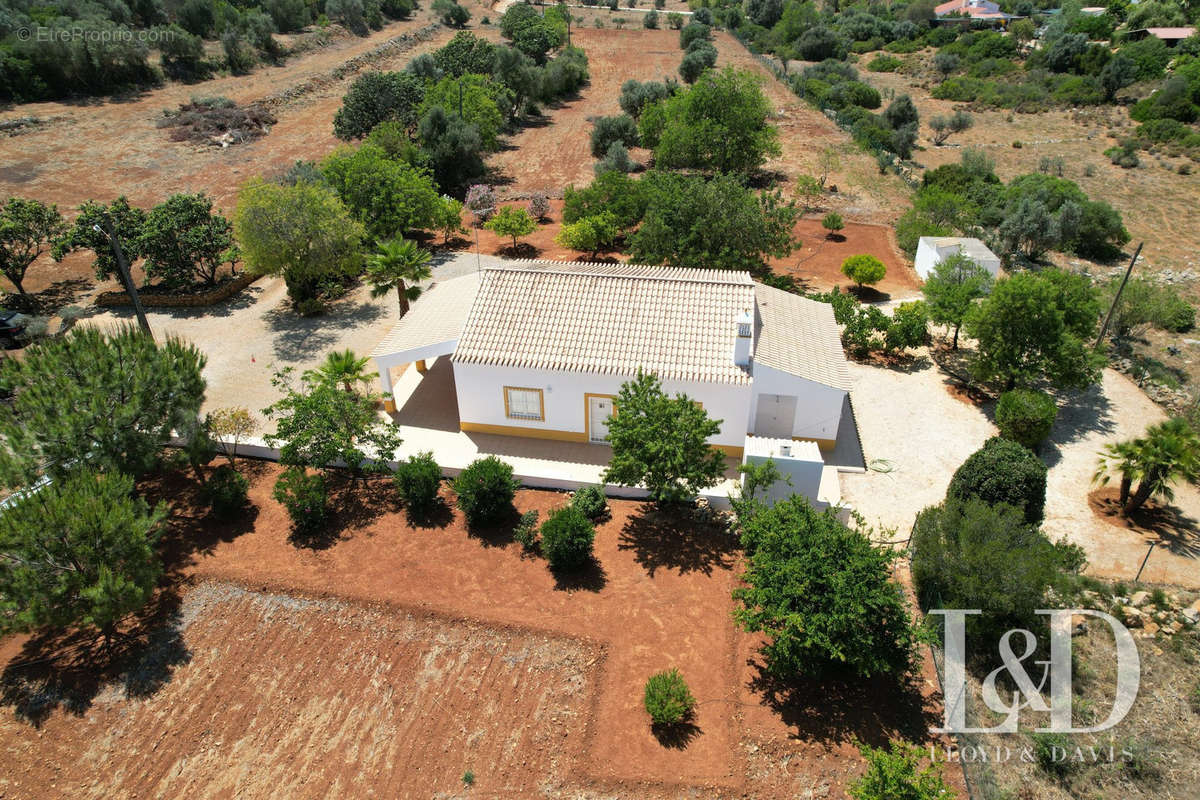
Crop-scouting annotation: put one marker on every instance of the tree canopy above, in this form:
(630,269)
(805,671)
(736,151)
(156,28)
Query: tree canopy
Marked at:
(77,552)
(953,287)
(184,240)
(302,232)
(377,97)
(715,224)
(823,594)
(661,442)
(106,402)
(1036,327)
(720,124)
(389,197)
(318,424)
(28,228)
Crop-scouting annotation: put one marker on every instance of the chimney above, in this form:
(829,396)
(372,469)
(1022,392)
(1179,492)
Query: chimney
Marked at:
(744,344)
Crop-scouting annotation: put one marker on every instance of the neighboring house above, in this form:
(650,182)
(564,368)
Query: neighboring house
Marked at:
(933,250)
(1172,36)
(540,350)
(971,10)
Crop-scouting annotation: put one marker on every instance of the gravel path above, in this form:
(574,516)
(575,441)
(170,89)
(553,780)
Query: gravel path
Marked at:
(915,434)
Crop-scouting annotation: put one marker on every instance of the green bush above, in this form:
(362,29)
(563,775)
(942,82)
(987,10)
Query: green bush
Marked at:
(1003,471)
(1053,753)
(305,498)
(591,502)
(485,490)
(884,63)
(895,775)
(417,481)
(567,537)
(526,532)
(850,619)
(1026,416)
(968,554)
(864,269)
(226,492)
(667,698)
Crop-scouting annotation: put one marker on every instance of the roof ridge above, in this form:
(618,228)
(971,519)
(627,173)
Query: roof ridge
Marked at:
(701,275)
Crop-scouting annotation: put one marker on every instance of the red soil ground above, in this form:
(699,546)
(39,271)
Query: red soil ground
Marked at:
(278,688)
(816,264)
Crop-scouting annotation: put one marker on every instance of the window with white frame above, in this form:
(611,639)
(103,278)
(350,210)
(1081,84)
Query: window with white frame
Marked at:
(522,403)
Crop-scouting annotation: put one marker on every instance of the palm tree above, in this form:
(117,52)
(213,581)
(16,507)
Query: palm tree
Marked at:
(1169,452)
(344,367)
(398,263)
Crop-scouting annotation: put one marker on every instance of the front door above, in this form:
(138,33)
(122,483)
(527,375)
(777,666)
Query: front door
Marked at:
(600,408)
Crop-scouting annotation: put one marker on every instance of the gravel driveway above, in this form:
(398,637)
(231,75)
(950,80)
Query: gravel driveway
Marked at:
(250,337)
(915,434)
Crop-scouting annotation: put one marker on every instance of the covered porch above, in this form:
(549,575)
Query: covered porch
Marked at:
(426,412)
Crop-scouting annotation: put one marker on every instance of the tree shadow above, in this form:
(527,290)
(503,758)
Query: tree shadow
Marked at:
(297,338)
(50,300)
(841,711)
(496,532)
(190,529)
(868,294)
(438,515)
(67,669)
(591,577)
(1166,525)
(1079,414)
(677,538)
(522,250)
(677,736)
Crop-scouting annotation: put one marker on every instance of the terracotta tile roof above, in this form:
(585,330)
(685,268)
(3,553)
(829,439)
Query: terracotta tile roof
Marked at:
(800,337)
(609,319)
(437,316)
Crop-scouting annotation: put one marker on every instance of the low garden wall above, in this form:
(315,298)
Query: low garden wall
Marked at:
(215,295)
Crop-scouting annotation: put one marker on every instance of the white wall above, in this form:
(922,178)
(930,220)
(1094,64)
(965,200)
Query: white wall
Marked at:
(926,258)
(818,407)
(481,398)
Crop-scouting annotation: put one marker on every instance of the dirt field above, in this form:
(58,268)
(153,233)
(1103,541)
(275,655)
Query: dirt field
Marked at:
(1157,203)
(816,264)
(280,696)
(267,675)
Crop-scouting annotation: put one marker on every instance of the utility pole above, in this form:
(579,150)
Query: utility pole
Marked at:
(1117,299)
(126,278)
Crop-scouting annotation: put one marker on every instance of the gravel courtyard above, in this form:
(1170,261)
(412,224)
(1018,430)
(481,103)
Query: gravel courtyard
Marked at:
(257,333)
(915,433)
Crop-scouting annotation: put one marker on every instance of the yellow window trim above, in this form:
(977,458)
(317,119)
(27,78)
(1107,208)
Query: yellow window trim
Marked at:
(541,417)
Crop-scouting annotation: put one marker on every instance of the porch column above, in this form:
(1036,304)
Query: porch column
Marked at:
(385,383)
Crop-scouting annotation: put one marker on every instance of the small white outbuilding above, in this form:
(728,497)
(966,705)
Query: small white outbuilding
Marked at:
(933,250)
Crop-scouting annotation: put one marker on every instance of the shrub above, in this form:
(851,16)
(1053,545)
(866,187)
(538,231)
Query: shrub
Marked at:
(226,492)
(539,206)
(832,222)
(864,269)
(909,326)
(1003,471)
(884,63)
(968,554)
(1053,753)
(591,502)
(567,537)
(417,481)
(607,130)
(1026,416)
(667,698)
(485,490)
(305,498)
(526,532)
(894,775)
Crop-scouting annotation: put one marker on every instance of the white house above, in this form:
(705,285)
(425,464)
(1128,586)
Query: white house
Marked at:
(933,250)
(540,349)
